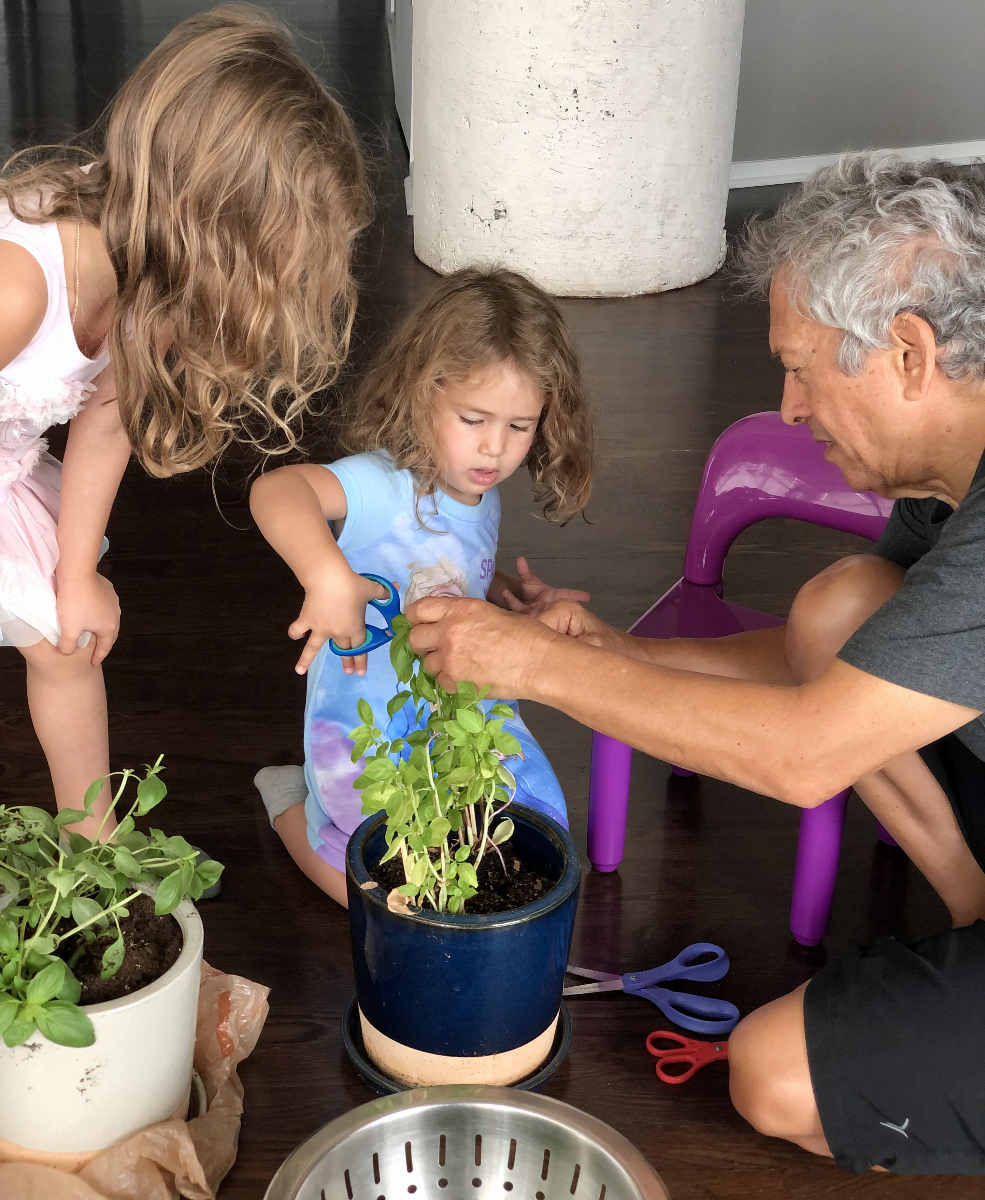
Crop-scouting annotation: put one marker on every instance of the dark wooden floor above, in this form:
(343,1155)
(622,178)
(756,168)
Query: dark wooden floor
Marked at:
(202,672)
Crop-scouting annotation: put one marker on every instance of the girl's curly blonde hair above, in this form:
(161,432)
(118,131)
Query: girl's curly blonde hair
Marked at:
(473,320)
(229,193)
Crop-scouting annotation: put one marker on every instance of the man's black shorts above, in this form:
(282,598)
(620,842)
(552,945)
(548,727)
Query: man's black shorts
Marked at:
(896,1033)
(896,1044)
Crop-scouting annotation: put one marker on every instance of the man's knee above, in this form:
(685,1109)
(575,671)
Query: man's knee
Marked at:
(769,1074)
(753,1089)
(830,607)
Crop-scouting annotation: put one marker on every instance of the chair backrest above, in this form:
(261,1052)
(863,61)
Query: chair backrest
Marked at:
(761,468)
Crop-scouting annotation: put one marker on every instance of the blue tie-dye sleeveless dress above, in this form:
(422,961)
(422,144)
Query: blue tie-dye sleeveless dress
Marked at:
(448,550)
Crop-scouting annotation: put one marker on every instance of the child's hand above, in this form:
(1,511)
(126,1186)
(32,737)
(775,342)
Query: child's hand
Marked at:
(88,605)
(335,607)
(535,595)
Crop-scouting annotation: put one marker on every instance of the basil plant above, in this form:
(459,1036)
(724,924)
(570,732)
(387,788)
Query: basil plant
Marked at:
(441,782)
(58,894)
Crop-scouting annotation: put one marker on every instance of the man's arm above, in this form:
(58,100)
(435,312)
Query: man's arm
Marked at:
(799,744)
(757,654)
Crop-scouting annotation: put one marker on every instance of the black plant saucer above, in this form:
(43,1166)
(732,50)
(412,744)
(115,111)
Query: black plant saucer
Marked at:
(385,1085)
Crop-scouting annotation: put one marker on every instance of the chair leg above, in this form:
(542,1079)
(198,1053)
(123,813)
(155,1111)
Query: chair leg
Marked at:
(608,801)
(817,867)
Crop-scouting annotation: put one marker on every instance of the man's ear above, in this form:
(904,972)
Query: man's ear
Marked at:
(916,354)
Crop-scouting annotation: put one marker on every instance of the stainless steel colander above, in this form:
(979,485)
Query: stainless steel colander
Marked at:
(466,1143)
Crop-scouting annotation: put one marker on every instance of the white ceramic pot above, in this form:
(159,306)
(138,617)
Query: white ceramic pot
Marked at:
(61,1100)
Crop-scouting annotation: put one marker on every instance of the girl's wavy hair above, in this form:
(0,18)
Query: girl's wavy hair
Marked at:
(873,236)
(473,320)
(229,191)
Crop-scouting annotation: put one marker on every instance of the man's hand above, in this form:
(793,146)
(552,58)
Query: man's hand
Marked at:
(475,641)
(576,622)
(87,604)
(535,595)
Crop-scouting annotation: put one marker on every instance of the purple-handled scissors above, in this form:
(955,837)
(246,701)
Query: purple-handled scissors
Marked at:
(701,962)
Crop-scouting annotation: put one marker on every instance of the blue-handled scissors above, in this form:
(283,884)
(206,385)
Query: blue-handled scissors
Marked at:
(375,636)
(699,1014)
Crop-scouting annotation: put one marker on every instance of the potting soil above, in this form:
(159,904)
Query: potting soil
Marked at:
(499,891)
(152,943)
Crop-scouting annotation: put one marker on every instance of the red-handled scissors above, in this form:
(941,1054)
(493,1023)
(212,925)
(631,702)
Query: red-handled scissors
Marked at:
(683,1050)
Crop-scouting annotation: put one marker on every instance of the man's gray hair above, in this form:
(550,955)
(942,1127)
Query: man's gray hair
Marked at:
(874,236)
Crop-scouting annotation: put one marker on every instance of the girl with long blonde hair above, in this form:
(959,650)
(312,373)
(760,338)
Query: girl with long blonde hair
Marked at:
(185,286)
(479,380)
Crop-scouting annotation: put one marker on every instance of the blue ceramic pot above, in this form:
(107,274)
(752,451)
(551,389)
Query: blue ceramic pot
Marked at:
(463,986)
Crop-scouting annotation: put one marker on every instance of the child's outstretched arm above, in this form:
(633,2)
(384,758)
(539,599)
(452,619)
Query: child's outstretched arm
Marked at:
(96,456)
(526,593)
(292,507)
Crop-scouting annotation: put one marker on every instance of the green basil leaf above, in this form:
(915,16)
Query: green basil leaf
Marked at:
(92,794)
(365,712)
(113,957)
(65,1024)
(208,872)
(8,937)
(150,792)
(126,864)
(507,744)
(438,830)
(69,816)
(8,1010)
(470,720)
(176,847)
(503,831)
(84,908)
(98,873)
(46,984)
(20,1029)
(71,989)
(168,894)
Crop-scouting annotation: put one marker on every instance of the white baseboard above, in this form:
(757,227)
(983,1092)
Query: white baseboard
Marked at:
(761,172)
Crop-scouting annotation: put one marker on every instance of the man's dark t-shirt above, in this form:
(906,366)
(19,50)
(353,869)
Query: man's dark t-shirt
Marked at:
(930,636)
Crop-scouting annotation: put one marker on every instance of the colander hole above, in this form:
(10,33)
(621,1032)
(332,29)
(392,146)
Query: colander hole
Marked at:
(441,1154)
(546,1167)
(574,1178)
(512,1158)
(478,1149)
(376,1168)
(442,1183)
(539,1196)
(407,1155)
(602,1193)
(477,1183)
(507,1186)
(412,1189)
(348,1185)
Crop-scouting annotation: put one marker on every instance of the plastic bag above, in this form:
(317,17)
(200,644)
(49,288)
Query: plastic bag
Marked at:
(173,1158)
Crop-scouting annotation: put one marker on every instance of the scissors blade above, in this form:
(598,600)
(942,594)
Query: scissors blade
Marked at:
(584,971)
(583,989)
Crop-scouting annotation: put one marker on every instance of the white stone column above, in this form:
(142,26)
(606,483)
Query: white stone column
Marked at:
(586,143)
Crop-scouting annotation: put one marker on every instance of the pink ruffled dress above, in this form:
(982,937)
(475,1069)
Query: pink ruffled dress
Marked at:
(45,385)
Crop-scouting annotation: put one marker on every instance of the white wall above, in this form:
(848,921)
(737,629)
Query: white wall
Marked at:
(821,76)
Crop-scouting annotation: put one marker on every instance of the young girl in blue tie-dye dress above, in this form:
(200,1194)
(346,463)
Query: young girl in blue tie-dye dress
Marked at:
(480,379)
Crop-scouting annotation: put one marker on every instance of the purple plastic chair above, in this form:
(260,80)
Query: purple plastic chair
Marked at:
(758,468)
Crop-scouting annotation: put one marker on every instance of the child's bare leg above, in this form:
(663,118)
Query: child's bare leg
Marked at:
(292,829)
(67,699)
(284,791)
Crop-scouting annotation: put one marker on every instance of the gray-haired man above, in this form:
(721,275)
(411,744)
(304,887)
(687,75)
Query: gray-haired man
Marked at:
(876,277)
